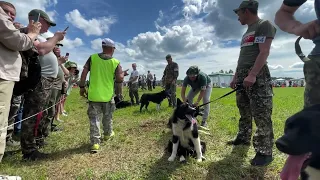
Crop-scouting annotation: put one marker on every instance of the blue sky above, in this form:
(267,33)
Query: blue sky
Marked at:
(132,18)
(196,32)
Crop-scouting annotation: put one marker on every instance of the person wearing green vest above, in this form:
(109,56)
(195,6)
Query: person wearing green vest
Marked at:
(105,72)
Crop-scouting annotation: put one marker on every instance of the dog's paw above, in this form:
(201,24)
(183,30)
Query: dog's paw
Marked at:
(203,158)
(171,158)
(182,159)
(199,160)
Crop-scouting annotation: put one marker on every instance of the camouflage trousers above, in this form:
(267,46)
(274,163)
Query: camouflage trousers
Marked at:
(133,92)
(47,119)
(311,70)
(173,99)
(95,110)
(256,102)
(35,102)
(14,108)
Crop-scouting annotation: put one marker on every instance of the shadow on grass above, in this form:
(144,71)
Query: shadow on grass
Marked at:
(162,168)
(232,167)
(8,158)
(83,149)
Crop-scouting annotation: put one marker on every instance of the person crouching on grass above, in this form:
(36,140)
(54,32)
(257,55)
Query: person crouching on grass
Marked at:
(104,70)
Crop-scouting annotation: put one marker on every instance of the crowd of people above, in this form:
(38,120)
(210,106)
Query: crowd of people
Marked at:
(35,81)
(35,63)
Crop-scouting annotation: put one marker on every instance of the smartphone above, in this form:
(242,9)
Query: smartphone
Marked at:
(67,54)
(36,18)
(66,28)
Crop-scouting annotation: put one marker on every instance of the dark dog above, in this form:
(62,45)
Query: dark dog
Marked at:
(302,136)
(185,137)
(155,97)
(121,104)
(187,152)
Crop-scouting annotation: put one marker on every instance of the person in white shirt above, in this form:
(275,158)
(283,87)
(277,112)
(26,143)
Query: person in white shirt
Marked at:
(133,84)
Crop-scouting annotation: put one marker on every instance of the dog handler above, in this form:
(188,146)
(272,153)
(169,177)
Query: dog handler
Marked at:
(104,70)
(255,100)
(199,82)
(285,20)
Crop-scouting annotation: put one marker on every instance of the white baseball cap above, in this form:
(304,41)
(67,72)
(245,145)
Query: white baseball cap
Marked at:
(108,42)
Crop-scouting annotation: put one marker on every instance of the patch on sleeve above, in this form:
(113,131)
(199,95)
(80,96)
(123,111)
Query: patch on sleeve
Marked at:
(260,39)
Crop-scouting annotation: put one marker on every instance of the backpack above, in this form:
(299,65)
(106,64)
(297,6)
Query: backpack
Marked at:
(30,74)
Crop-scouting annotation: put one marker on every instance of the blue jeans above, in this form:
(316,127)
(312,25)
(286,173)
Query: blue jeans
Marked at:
(17,127)
(206,98)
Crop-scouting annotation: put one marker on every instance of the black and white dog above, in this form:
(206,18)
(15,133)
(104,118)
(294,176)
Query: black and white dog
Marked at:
(185,137)
(155,97)
(301,136)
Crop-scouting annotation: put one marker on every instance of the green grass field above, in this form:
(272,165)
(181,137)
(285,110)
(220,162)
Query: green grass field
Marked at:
(137,150)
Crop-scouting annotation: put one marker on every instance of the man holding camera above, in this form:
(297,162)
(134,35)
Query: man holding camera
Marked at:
(36,100)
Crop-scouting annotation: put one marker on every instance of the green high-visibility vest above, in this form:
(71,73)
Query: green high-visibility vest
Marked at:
(102,74)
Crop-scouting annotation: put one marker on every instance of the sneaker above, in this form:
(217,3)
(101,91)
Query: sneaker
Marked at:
(11,142)
(108,137)
(261,160)
(35,155)
(59,120)
(95,148)
(64,113)
(204,124)
(3,177)
(41,143)
(55,129)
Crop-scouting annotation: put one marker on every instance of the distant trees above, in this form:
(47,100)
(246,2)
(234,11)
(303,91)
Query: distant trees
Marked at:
(224,72)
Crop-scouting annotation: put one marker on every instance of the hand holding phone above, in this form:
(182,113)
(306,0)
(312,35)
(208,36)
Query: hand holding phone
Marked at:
(66,29)
(36,18)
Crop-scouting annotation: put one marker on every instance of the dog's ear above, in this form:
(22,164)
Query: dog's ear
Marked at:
(179,102)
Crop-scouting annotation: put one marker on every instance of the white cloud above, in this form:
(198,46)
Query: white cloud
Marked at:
(24,7)
(67,43)
(72,43)
(96,44)
(298,65)
(94,26)
(275,67)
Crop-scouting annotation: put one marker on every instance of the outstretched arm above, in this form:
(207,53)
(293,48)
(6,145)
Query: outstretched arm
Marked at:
(284,17)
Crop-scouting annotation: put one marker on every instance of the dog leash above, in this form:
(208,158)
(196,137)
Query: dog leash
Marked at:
(239,86)
(299,51)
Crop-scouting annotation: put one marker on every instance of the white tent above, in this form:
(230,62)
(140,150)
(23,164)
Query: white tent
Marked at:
(221,80)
